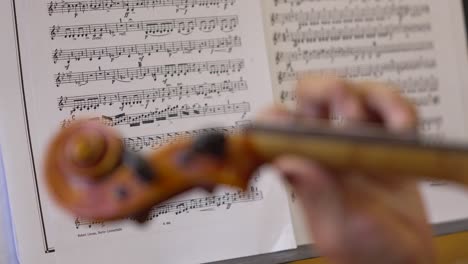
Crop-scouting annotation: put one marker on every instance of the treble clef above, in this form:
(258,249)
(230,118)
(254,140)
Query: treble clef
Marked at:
(61,103)
(55,56)
(51,8)
(58,79)
(53,32)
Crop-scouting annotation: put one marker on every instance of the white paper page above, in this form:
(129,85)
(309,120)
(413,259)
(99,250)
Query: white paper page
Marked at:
(157,70)
(14,140)
(7,243)
(7,252)
(418,45)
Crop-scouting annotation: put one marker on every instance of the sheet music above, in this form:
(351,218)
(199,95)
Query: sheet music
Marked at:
(415,45)
(160,69)
(156,71)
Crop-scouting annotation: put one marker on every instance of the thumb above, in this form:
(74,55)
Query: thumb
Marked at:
(319,194)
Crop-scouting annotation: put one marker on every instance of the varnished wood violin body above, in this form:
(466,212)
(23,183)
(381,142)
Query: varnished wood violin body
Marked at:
(92,175)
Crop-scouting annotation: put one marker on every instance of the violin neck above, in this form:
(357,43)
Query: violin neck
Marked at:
(387,155)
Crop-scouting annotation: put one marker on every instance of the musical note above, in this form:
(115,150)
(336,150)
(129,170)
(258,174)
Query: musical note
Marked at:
(76,7)
(113,52)
(351,51)
(226,200)
(421,90)
(416,85)
(389,39)
(431,124)
(425,100)
(168,113)
(287,95)
(349,15)
(156,141)
(144,98)
(169,70)
(183,26)
(300,2)
(364,70)
(349,33)
(153,70)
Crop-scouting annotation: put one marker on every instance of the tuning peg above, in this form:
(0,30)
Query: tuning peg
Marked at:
(210,144)
(142,218)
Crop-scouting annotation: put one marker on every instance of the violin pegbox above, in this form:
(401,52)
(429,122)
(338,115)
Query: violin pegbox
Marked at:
(91,174)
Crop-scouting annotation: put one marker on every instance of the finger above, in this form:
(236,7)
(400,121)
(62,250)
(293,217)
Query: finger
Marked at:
(386,218)
(397,113)
(319,196)
(395,206)
(348,234)
(321,96)
(274,114)
(400,197)
(381,239)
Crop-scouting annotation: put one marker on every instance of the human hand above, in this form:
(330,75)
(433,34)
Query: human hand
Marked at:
(352,217)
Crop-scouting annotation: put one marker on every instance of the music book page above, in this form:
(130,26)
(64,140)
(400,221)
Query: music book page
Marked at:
(7,244)
(418,46)
(25,229)
(156,71)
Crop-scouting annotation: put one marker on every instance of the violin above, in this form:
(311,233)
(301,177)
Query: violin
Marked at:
(91,174)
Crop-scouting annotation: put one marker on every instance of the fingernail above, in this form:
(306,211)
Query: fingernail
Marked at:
(315,187)
(401,121)
(314,110)
(291,179)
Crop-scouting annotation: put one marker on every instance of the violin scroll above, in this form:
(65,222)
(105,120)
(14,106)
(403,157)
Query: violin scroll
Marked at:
(91,174)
